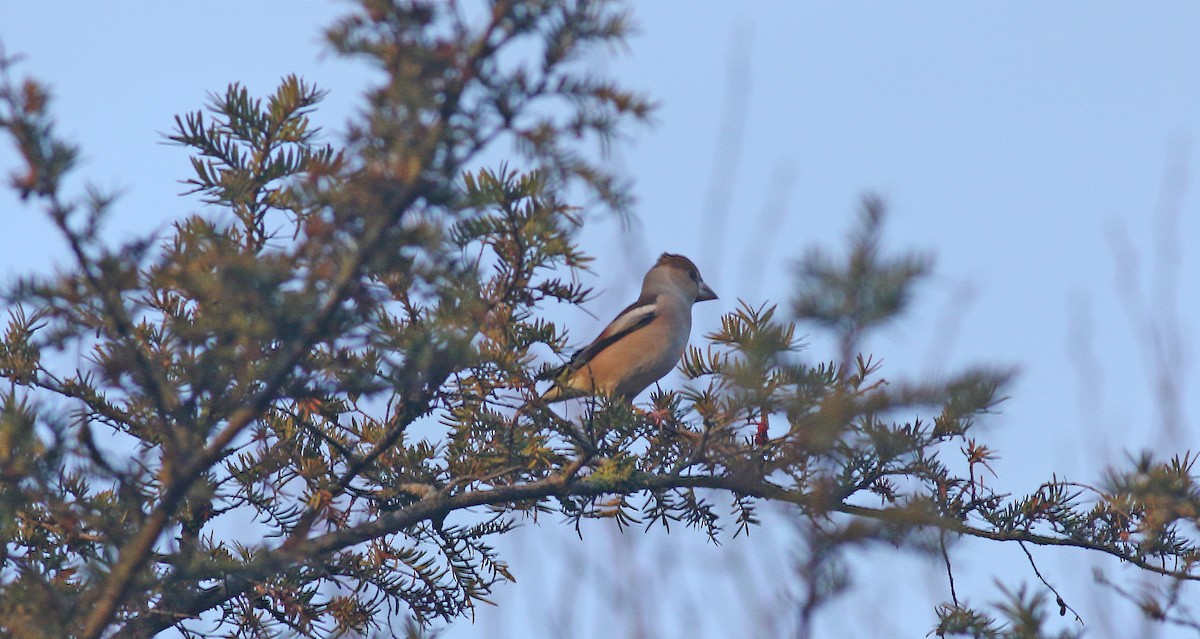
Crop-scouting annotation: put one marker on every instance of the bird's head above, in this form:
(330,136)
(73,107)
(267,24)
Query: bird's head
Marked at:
(678,273)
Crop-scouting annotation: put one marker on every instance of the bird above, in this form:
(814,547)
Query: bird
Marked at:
(643,343)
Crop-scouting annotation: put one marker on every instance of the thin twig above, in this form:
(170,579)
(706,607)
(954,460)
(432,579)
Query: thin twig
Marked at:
(1062,605)
(949,569)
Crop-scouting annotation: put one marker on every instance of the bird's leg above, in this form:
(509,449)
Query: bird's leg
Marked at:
(658,416)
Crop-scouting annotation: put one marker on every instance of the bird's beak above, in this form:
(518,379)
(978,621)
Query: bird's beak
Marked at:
(706,293)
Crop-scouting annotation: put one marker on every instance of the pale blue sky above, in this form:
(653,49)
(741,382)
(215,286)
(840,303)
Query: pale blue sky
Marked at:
(1026,145)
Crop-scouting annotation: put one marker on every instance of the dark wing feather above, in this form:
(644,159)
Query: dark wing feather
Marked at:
(634,317)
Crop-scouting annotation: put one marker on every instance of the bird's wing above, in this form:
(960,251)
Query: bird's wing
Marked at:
(634,317)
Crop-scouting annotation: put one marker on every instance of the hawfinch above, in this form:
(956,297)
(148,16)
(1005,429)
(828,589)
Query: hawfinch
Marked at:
(643,343)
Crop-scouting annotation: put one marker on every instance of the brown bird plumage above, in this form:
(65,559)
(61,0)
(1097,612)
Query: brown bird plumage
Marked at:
(643,343)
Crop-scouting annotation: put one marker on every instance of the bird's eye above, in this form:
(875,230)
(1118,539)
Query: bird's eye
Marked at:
(695,276)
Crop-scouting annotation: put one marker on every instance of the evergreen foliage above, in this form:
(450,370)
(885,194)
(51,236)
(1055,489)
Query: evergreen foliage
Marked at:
(334,358)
